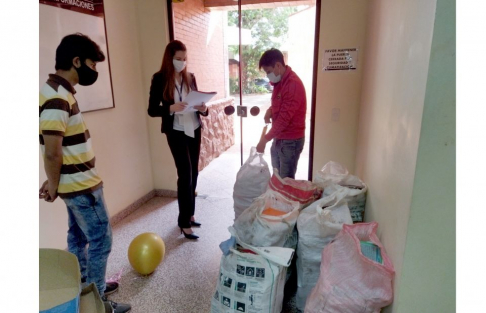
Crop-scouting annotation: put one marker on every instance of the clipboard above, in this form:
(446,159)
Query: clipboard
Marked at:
(196,98)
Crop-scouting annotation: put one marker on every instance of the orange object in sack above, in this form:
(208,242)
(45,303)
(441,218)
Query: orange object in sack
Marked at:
(273,212)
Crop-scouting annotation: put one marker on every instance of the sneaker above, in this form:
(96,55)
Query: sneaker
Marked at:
(111,288)
(117,307)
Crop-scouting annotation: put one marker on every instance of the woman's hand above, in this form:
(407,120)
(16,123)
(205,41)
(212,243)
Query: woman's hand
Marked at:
(201,108)
(178,107)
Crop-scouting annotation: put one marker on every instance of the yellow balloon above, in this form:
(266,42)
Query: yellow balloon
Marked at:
(145,252)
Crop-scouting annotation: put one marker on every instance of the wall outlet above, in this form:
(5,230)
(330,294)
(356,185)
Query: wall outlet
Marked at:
(335,114)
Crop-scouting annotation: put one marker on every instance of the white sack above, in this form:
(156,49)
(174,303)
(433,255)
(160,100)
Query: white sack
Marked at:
(260,230)
(251,282)
(334,177)
(317,225)
(251,181)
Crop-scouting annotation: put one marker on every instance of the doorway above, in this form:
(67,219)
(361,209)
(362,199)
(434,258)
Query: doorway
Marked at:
(225,58)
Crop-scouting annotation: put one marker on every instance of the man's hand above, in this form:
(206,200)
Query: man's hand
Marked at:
(52,165)
(260,148)
(201,108)
(268,116)
(51,193)
(47,192)
(43,191)
(177,107)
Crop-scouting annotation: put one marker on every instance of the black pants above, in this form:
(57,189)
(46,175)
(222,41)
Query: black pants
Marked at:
(185,151)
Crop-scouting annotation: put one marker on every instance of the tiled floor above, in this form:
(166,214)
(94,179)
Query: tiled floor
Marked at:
(186,279)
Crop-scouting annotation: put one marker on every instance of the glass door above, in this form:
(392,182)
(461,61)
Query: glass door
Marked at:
(260,28)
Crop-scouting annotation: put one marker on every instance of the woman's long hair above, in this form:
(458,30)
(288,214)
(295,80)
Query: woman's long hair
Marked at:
(168,71)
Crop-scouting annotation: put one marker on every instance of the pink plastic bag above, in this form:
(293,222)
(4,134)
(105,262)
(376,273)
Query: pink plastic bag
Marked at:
(350,282)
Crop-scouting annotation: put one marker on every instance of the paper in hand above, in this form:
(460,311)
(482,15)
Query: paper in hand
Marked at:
(195,98)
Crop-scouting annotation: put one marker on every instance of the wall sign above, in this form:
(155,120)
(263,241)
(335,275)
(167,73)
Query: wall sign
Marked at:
(91,7)
(58,18)
(340,59)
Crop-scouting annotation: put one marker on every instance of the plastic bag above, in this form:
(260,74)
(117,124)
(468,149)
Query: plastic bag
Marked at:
(334,177)
(261,224)
(317,225)
(350,281)
(251,181)
(302,191)
(251,279)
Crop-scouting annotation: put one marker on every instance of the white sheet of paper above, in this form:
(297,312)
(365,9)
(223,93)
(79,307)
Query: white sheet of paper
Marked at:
(196,98)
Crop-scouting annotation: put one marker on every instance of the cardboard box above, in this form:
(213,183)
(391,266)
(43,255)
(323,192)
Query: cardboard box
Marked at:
(59,281)
(91,301)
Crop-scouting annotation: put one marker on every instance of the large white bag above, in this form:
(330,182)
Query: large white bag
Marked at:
(251,181)
(349,281)
(334,177)
(251,279)
(317,224)
(256,228)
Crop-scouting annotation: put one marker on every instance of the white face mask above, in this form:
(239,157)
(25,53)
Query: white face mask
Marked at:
(179,65)
(273,78)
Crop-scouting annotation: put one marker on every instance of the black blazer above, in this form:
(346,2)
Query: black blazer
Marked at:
(156,97)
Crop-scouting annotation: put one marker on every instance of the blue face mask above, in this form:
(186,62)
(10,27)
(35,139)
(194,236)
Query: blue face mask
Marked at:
(273,78)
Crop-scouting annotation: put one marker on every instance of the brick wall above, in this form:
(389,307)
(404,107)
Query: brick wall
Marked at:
(202,32)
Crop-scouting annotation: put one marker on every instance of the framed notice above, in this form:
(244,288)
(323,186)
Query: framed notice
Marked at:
(58,18)
(340,59)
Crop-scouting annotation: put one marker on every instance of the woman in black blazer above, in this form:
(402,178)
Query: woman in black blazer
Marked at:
(169,88)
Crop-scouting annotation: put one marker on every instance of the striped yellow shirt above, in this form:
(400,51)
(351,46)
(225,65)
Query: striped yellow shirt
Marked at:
(59,115)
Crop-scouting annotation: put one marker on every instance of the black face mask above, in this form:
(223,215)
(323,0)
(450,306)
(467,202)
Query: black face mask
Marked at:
(86,75)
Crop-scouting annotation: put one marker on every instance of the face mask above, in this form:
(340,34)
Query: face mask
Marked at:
(273,78)
(86,75)
(179,65)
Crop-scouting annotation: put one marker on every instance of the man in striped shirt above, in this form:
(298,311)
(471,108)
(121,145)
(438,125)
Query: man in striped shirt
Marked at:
(69,161)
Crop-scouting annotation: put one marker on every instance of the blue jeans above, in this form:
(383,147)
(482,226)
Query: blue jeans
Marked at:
(285,156)
(89,225)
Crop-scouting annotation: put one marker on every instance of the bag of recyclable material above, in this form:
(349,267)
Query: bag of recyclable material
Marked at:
(251,279)
(356,274)
(269,221)
(302,191)
(317,225)
(251,181)
(334,177)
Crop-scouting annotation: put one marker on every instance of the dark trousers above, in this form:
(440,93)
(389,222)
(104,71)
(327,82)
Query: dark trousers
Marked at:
(185,151)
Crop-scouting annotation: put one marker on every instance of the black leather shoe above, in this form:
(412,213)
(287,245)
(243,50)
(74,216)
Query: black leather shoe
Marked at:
(189,236)
(111,288)
(195,224)
(117,307)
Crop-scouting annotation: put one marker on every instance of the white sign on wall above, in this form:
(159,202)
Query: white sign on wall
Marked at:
(57,20)
(340,59)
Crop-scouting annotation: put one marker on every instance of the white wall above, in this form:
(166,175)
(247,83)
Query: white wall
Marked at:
(153,37)
(301,48)
(343,25)
(119,135)
(428,274)
(395,75)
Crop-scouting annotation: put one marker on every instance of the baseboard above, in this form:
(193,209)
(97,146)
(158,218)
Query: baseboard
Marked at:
(165,193)
(137,204)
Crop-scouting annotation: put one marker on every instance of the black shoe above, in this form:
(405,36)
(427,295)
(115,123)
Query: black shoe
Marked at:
(111,288)
(118,307)
(189,236)
(195,224)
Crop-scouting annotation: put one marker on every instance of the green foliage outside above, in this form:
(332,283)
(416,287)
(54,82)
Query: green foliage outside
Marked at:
(234,89)
(269,28)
